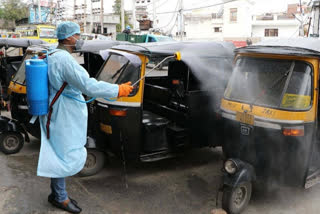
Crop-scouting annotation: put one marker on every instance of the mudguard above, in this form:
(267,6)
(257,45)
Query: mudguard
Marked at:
(10,125)
(245,173)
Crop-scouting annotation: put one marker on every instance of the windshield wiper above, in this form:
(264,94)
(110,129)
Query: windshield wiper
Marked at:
(118,71)
(264,92)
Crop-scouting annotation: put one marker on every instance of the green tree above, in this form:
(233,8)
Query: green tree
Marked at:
(13,9)
(117,10)
(1,12)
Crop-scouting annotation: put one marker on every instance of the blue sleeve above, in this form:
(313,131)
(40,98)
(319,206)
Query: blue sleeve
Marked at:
(75,75)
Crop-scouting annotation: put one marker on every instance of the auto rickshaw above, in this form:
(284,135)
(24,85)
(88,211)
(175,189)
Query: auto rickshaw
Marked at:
(12,132)
(271,119)
(11,55)
(17,88)
(168,111)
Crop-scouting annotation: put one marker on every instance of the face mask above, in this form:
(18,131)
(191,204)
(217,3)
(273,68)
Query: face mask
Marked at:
(78,45)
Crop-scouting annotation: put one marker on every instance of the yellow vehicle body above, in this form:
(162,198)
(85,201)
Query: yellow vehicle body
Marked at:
(44,32)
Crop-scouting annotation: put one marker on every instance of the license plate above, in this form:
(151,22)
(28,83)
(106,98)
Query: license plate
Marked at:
(106,128)
(245,118)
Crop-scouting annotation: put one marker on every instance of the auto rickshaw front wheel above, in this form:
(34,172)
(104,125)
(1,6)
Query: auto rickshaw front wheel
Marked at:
(94,163)
(236,199)
(11,142)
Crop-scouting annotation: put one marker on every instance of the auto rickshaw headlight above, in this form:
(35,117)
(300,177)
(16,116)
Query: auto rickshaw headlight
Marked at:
(230,166)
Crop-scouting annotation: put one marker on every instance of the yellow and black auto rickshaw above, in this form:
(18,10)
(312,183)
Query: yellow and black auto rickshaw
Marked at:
(92,62)
(12,132)
(170,110)
(11,56)
(271,119)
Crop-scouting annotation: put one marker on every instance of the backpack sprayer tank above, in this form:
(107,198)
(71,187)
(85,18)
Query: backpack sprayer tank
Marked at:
(37,86)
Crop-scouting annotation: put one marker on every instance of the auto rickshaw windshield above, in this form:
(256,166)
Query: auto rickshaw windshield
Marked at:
(20,76)
(118,69)
(275,83)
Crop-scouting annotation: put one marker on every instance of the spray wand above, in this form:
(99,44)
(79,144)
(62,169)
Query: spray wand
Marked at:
(177,56)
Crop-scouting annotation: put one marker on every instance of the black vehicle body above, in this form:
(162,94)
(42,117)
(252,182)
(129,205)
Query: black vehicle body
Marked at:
(273,134)
(170,110)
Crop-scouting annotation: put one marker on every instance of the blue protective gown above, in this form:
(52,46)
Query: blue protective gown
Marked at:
(64,153)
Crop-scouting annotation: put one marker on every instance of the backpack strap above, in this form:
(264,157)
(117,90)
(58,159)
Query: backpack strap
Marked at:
(51,109)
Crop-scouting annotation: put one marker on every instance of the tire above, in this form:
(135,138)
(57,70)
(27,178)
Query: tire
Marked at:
(94,163)
(11,142)
(236,199)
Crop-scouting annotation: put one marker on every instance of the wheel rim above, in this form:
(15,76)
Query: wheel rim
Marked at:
(11,142)
(91,161)
(239,196)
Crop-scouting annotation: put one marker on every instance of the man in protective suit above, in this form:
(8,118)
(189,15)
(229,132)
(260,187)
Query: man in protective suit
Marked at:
(64,130)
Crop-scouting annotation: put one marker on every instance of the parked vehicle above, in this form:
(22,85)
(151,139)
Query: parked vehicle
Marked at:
(92,36)
(12,132)
(17,88)
(11,54)
(146,38)
(271,114)
(46,33)
(165,114)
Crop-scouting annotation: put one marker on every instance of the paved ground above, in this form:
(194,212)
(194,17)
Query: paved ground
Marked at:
(183,185)
(186,185)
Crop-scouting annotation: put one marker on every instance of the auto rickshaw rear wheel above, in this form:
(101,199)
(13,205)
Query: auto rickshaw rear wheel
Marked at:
(236,199)
(11,142)
(94,163)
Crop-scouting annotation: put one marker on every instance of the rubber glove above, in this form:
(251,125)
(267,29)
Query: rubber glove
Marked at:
(125,89)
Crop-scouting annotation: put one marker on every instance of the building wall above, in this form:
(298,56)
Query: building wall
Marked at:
(201,27)
(200,24)
(110,22)
(111,28)
(287,26)
(283,31)
(242,27)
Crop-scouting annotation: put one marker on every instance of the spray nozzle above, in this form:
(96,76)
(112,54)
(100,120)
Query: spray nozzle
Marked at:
(177,56)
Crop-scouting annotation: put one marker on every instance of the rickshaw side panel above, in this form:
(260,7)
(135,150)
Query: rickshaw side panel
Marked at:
(205,123)
(125,130)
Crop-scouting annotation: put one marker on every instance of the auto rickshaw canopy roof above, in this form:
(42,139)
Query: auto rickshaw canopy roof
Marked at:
(88,46)
(94,46)
(20,43)
(200,49)
(295,47)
